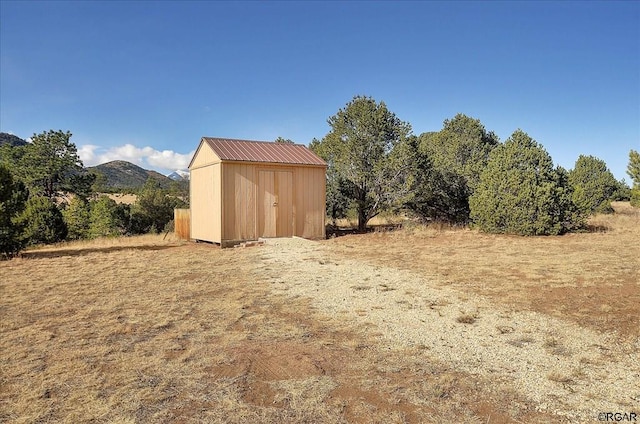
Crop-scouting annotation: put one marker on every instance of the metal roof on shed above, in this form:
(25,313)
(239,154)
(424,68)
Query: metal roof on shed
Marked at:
(262,151)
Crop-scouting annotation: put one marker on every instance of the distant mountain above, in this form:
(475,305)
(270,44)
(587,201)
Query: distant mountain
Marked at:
(179,175)
(119,174)
(6,138)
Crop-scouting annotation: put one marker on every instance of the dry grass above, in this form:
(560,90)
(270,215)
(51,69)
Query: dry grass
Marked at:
(467,318)
(127,199)
(149,330)
(591,278)
(156,330)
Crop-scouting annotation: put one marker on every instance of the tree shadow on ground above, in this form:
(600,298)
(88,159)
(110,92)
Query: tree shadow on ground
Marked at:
(58,253)
(333,231)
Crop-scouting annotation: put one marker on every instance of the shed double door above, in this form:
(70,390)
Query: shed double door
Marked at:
(275,204)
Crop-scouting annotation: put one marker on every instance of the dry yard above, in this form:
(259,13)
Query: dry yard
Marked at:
(419,325)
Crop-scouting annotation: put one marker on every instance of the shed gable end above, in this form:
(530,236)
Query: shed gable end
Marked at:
(203,156)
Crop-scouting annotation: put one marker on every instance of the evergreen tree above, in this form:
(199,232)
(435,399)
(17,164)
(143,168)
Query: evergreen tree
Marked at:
(154,209)
(462,147)
(13,196)
(593,185)
(284,140)
(337,189)
(50,164)
(363,153)
(521,193)
(449,163)
(436,193)
(77,217)
(104,219)
(633,169)
(42,222)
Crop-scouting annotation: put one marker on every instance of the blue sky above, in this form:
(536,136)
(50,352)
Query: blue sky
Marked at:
(143,81)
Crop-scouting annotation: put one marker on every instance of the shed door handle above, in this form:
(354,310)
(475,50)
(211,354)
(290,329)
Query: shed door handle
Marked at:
(275,203)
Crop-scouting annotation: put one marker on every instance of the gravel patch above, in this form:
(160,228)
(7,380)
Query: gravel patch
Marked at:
(561,367)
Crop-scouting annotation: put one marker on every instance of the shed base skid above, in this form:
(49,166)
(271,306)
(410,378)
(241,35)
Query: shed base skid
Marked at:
(233,243)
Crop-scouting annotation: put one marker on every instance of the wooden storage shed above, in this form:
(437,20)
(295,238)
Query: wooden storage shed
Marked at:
(243,190)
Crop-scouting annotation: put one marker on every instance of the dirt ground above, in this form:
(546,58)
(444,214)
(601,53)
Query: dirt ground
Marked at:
(425,324)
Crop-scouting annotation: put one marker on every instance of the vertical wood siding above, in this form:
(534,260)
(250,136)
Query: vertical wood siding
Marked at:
(205,203)
(310,202)
(238,202)
(235,200)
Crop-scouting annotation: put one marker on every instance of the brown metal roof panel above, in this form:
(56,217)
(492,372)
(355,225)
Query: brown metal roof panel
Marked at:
(262,151)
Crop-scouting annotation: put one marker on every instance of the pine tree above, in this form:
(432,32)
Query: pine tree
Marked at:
(521,193)
(593,185)
(13,196)
(42,222)
(103,218)
(77,217)
(633,169)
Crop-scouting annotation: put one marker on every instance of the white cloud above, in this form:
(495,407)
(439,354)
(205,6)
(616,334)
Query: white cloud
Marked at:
(87,154)
(169,159)
(164,161)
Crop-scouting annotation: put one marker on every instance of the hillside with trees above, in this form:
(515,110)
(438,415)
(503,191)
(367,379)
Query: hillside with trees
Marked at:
(122,176)
(11,140)
(47,196)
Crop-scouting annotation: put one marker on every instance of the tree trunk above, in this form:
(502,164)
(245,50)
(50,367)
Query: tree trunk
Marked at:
(362,220)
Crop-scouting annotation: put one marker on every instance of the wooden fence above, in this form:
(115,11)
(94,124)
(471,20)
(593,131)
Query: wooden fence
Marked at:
(182,223)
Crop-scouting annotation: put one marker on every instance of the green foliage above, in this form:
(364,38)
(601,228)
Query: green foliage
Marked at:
(364,154)
(180,190)
(42,222)
(105,218)
(593,185)
(50,165)
(635,197)
(10,157)
(77,218)
(154,209)
(633,169)
(284,140)
(99,181)
(337,189)
(447,168)
(437,194)
(337,193)
(461,147)
(13,196)
(520,192)
(622,192)
(568,214)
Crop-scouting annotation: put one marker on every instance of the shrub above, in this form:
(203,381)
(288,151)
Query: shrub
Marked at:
(449,164)
(440,195)
(593,185)
(104,220)
(77,216)
(521,193)
(153,210)
(42,222)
